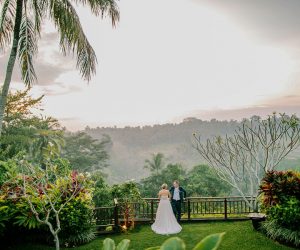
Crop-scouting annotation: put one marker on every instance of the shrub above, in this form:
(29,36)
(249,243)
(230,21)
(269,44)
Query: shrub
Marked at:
(278,186)
(17,211)
(4,214)
(276,231)
(17,222)
(127,193)
(286,214)
(69,192)
(102,193)
(77,222)
(281,202)
(281,197)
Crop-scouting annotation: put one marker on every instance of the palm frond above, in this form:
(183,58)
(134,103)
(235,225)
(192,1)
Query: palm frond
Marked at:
(103,8)
(7,23)
(27,49)
(39,8)
(72,37)
(110,7)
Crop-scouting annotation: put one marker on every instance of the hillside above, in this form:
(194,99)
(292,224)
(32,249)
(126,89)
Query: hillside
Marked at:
(132,145)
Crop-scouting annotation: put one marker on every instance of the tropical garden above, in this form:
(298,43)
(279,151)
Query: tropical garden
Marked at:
(52,180)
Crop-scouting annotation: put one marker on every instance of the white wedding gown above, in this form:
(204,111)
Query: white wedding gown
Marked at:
(165,221)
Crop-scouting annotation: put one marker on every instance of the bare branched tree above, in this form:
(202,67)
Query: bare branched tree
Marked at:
(46,199)
(257,146)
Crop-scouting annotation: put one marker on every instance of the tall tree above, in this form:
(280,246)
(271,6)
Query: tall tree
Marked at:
(19,126)
(201,180)
(21,104)
(84,152)
(20,28)
(150,186)
(156,164)
(257,146)
(24,131)
(47,142)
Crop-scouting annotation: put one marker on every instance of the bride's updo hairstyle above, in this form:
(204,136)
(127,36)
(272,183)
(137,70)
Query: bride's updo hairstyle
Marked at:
(164,186)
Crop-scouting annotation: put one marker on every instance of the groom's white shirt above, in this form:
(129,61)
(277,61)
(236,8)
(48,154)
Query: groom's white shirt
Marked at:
(176,196)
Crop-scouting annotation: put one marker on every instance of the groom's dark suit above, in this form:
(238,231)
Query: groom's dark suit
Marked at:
(176,203)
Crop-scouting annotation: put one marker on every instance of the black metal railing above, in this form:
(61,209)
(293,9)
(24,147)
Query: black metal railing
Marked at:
(107,218)
(193,208)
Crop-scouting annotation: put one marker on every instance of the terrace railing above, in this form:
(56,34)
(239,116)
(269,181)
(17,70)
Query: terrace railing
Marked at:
(193,209)
(107,218)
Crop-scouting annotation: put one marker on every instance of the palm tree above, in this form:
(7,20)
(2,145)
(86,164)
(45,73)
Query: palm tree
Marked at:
(48,140)
(20,29)
(156,163)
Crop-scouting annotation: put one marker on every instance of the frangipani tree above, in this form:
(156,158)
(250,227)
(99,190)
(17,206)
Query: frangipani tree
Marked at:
(21,26)
(257,146)
(49,191)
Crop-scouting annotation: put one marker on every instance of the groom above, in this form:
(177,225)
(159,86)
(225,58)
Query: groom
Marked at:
(178,194)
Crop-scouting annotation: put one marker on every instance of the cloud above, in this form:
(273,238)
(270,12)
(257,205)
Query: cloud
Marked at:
(239,114)
(69,118)
(211,55)
(50,64)
(72,123)
(61,89)
(289,104)
(48,73)
(49,38)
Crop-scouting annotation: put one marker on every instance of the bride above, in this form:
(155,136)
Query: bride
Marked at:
(165,221)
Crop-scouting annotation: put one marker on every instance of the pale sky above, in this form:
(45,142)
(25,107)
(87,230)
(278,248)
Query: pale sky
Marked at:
(168,59)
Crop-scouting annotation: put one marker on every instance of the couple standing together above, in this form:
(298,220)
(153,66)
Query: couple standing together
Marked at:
(169,208)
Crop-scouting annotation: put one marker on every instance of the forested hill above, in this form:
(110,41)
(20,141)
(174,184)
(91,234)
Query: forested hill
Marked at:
(132,145)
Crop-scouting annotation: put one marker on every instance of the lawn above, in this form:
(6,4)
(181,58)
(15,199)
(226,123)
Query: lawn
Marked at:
(239,235)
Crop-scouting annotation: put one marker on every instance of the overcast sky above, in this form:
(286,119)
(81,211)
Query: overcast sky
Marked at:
(168,59)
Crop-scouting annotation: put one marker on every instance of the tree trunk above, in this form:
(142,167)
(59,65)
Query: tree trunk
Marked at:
(11,61)
(56,239)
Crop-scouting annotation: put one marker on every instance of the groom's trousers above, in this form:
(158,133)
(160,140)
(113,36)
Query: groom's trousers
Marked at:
(176,205)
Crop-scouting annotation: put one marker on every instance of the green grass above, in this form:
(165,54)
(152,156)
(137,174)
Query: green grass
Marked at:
(239,235)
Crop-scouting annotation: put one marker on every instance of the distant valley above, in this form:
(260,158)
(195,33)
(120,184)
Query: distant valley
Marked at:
(132,145)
